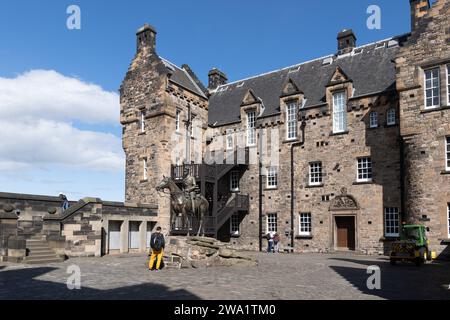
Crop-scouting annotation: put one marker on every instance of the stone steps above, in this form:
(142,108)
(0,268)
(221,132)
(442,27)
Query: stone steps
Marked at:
(43,261)
(39,252)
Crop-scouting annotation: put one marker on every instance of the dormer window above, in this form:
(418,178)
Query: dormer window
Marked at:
(251,128)
(339,112)
(291,120)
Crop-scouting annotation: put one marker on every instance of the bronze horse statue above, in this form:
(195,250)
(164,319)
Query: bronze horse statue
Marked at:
(182,204)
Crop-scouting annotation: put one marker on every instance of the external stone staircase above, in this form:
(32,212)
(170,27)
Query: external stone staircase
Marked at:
(39,252)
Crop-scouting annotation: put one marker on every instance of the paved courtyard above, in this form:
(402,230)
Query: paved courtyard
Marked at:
(283,276)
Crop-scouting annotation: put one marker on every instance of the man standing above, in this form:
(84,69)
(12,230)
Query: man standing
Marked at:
(64,202)
(157,243)
(270,242)
(276,242)
(189,187)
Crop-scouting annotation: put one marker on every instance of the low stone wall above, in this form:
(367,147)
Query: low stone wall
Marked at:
(12,247)
(82,230)
(31,207)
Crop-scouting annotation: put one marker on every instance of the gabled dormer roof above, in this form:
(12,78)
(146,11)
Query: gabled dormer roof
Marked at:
(290,88)
(250,98)
(338,77)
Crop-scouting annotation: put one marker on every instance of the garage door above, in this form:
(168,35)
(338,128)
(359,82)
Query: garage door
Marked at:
(114,235)
(134,235)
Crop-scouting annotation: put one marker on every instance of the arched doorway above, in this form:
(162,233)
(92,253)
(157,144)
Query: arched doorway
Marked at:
(344,211)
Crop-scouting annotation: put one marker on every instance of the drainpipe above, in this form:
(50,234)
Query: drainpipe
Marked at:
(402,181)
(188,136)
(260,195)
(293,146)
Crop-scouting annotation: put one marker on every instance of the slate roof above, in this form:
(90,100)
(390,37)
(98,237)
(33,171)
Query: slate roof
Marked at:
(182,77)
(370,67)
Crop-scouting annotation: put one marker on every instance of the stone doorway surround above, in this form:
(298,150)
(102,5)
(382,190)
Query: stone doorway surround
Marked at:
(343,206)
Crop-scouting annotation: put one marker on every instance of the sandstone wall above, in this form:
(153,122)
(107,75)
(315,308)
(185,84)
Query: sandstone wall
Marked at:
(424,130)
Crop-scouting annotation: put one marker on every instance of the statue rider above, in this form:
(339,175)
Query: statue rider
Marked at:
(190,186)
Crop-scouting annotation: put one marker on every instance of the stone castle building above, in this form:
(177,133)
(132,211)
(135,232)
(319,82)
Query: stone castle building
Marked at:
(333,154)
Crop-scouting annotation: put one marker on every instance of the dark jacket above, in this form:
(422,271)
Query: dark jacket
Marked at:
(153,237)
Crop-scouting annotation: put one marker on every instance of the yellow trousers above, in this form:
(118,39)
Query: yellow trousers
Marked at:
(158,256)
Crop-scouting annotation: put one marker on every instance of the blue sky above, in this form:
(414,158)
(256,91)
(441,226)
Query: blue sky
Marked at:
(242,38)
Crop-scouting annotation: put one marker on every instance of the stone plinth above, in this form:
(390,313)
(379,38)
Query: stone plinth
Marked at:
(201,252)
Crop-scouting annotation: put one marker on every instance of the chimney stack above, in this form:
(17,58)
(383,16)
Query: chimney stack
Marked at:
(419,8)
(346,41)
(146,37)
(216,78)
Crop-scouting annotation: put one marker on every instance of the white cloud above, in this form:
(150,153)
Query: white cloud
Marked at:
(43,143)
(50,95)
(37,111)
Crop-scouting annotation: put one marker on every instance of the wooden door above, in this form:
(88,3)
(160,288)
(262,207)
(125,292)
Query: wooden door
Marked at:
(345,233)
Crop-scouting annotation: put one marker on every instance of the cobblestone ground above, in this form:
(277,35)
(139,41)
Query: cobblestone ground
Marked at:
(281,276)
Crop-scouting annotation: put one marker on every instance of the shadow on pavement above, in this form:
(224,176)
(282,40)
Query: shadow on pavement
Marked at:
(401,282)
(22,285)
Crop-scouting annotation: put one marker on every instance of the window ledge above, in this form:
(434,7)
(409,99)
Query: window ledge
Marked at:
(445,172)
(303,237)
(433,109)
(235,235)
(290,141)
(373,128)
(143,181)
(388,238)
(357,183)
(445,242)
(339,133)
(312,186)
(270,188)
(142,133)
(391,125)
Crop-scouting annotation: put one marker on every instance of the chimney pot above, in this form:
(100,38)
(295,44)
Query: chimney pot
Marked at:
(419,8)
(216,78)
(146,37)
(346,41)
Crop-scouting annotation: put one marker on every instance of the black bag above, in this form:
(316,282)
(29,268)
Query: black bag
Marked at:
(158,244)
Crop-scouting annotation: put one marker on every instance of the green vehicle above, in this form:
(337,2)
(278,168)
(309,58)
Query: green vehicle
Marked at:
(412,246)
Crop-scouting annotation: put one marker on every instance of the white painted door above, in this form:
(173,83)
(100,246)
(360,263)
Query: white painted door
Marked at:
(134,235)
(114,235)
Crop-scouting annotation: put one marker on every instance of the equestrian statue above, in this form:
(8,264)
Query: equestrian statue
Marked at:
(187,201)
